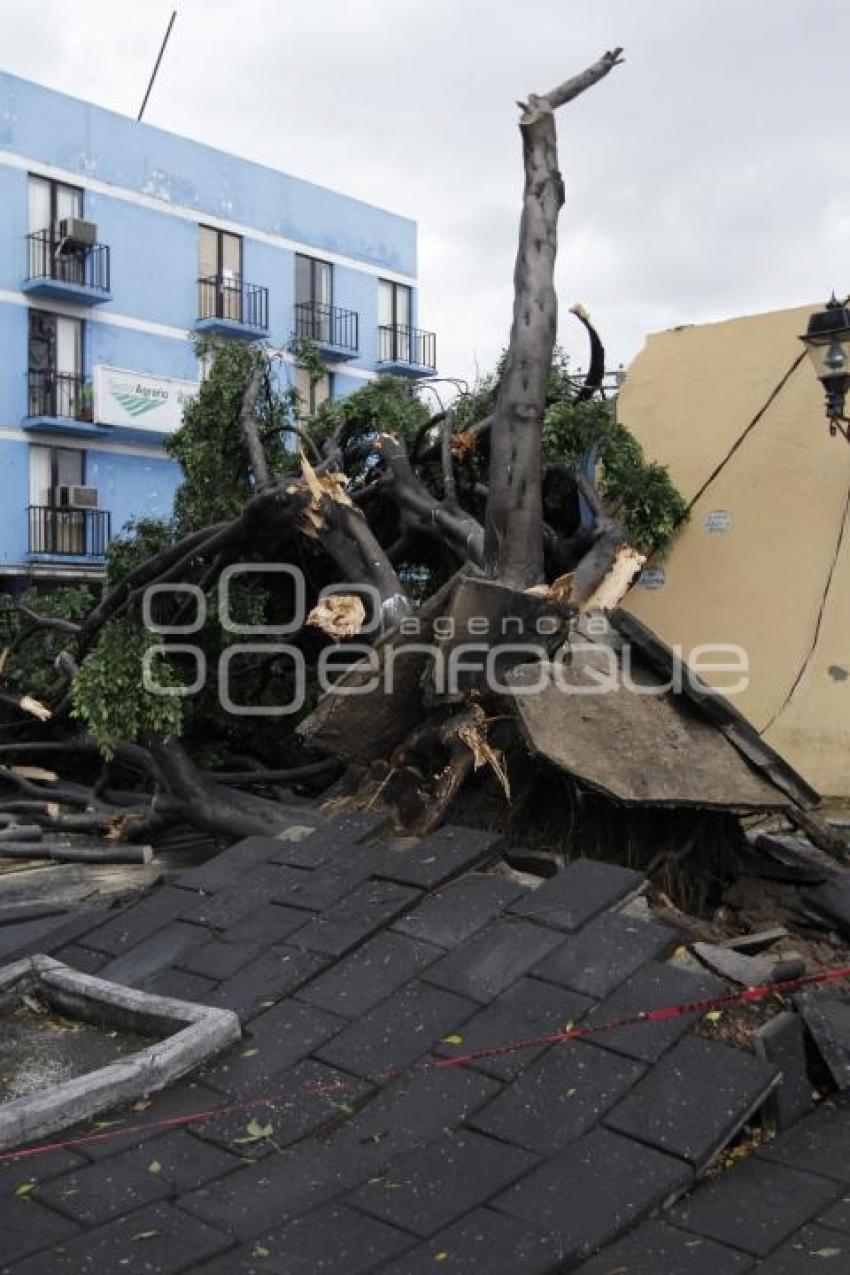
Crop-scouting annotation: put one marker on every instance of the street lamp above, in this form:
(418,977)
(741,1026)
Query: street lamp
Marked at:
(827,340)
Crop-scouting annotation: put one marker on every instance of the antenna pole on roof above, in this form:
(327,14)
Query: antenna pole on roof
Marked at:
(156,67)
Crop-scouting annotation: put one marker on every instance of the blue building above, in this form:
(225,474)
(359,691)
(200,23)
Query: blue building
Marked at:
(118,240)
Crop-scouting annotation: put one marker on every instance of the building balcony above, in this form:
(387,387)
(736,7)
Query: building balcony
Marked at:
(227,306)
(64,532)
(336,332)
(60,401)
(67,271)
(406,351)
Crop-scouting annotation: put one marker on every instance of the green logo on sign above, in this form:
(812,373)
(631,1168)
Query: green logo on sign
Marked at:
(137,404)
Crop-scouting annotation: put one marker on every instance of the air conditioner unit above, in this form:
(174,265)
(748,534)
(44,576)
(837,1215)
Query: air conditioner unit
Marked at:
(75,233)
(73,496)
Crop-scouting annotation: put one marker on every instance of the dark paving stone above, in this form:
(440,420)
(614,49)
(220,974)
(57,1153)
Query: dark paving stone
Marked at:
(585,888)
(837,1215)
(397,1031)
(657,1249)
(157,1240)
(832,900)
(694,1100)
(218,959)
(157,952)
(818,1144)
(436,859)
(27,1226)
(278,1038)
(430,1187)
(528,1009)
(301,1100)
(99,1192)
(23,938)
(453,913)
(182,985)
(236,1261)
(816,1250)
(40,1168)
(269,923)
(782,1042)
(265,1195)
(368,907)
(82,958)
(222,910)
(182,1160)
(652,987)
(49,933)
(484,1243)
(358,982)
(143,1119)
(80,922)
(164,903)
(594,1190)
(266,980)
(230,866)
(493,958)
(828,1020)
(332,1241)
(754,1206)
(329,840)
(323,888)
(417,1109)
(559,1097)
(604,953)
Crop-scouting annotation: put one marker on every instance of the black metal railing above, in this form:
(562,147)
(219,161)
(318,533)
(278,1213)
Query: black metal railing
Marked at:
(221,297)
(59,394)
(400,344)
(49,256)
(327,324)
(81,533)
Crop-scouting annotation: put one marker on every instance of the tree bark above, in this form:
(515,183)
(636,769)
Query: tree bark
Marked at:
(248,426)
(513,543)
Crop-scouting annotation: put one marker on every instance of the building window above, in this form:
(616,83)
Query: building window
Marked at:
(219,274)
(395,307)
(51,202)
(57,386)
(54,529)
(312,396)
(314,283)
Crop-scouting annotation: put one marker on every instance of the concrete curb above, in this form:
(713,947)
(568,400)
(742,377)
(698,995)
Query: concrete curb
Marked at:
(193,1034)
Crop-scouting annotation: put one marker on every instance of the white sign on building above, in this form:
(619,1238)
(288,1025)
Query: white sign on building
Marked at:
(143,402)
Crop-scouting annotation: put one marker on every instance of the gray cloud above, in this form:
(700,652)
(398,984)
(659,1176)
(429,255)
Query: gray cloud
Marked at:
(707,177)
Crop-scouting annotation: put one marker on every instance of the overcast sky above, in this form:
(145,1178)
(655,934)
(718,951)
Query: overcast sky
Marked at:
(707,177)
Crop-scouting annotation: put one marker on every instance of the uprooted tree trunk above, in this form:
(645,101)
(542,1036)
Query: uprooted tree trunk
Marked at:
(513,549)
(448,733)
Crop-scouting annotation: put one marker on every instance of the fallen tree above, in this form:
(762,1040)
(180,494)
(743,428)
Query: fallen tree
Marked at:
(395,522)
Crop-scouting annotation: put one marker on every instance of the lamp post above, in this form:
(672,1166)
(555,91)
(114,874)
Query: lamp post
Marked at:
(827,340)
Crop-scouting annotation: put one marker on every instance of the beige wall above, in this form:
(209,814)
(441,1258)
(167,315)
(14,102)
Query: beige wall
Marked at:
(782,497)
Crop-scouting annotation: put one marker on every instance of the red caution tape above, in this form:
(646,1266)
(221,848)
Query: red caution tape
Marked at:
(662,1014)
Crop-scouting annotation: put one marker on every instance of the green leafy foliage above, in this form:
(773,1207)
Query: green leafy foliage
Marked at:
(386,405)
(108,694)
(640,492)
(32,668)
(577,434)
(209,444)
(139,541)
